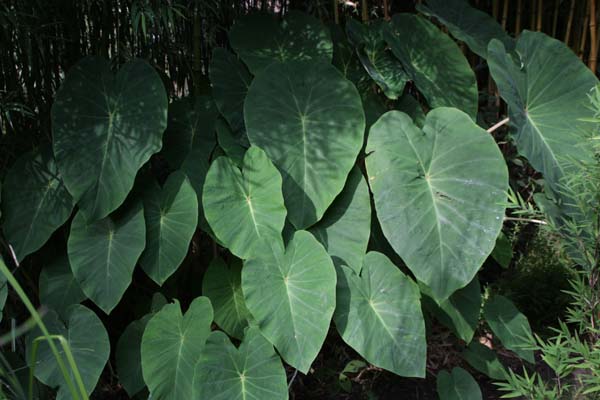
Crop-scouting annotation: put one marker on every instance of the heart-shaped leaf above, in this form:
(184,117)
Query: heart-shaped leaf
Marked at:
(58,287)
(222,284)
(191,124)
(434,62)
(171,215)
(459,312)
(380,64)
(105,127)
(244,206)
(128,356)
(310,122)
(546,88)
(291,294)
(484,360)
(379,315)
(230,81)
(88,343)
(171,347)
(458,385)
(467,24)
(510,326)
(345,228)
(35,202)
(438,194)
(103,254)
(229,143)
(254,371)
(260,39)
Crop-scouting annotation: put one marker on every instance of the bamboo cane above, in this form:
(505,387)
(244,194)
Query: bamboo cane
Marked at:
(386,11)
(365,11)
(584,29)
(593,61)
(540,10)
(570,22)
(532,15)
(505,14)
(336,12)
(555,17)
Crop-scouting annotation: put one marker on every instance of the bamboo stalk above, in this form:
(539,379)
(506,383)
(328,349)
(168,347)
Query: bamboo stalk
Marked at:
(540,11)
(386,11)
(518,19)
(555,17)
(336,12)
(593,61)
(495,7)
(505,14)
(570,22)
(584,28)
(532,15)
(365,11)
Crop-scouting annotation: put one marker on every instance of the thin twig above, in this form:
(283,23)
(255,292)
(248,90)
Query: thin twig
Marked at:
(292,380)
(498,125)
(532,220)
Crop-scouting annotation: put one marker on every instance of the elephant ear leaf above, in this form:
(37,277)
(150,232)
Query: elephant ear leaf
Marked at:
(380,63)
(35,202)
(434,62)
(58,287)
(171,347)
(300,282)
(546,88)
(222,284)
(445,185)
(171,215)
(242,206)
(105,127)
(310,122)
(260,39)
(510,326)
(457,385)
(379,315)
(103,254)
(89,344)
(253,371)
(467,24)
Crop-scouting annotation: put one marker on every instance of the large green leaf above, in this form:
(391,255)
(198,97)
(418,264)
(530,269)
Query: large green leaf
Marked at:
(103,254)
(310,122)
(230,82)
(87,340)
(243,206)
(35,202)
(510,326)
(128,356)
(434,62)
(345,227)
(171,347)
(171,215)
(546,88)
(191,124)
(253,371)
(346,60)
(484,360)
(457,385)
(228,142)
(438,194)
(58,287)
(379,315)
(468,24)
(291,294)
(222,284)
(195,167)
(459,312)
(380,63)
(260,39)
(105,127)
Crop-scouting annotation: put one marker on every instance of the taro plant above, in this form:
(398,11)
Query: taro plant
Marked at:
(340,180)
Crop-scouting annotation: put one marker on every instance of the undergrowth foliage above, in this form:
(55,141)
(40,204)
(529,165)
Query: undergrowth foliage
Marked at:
(339,178)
